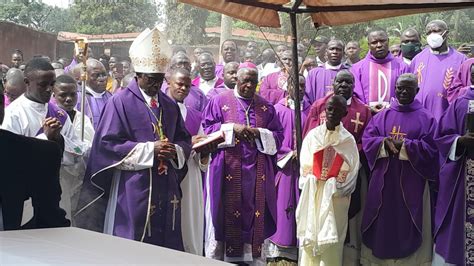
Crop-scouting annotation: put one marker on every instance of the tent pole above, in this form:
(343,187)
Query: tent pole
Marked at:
(296,82)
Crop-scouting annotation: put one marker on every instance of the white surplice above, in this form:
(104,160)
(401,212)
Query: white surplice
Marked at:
(322,212)
(25,117)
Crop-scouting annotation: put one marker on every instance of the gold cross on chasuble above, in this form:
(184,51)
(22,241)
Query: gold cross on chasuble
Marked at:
(397,134)
(357,122)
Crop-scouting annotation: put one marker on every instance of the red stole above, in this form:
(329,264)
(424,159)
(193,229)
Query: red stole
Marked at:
(327,164)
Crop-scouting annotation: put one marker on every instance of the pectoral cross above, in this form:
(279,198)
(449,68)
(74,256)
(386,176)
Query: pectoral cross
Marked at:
(247,117)
(396,134)
(357,122)
(175,203)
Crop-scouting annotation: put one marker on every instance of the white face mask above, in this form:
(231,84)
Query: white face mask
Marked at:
(435,40)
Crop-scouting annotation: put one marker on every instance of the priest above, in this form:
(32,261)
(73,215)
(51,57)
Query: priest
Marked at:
(436,66)
(320,79)
(192,203)
(376,74)
(328,173)
(462,81)
(274,86)
(229,53)
(131,187)
(207,79)
(241,206)
(230,79)
(454,144)
(402,156)
(96,93)
(282,246)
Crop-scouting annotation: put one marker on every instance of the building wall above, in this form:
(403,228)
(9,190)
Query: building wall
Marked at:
(29,41)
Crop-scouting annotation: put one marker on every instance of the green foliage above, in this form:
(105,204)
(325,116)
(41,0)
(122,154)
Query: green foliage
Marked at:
(93,18)
(31,13)
(185,23)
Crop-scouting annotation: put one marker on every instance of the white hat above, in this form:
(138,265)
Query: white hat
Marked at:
(150,51)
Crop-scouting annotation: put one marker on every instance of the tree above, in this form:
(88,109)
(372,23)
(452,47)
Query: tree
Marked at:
(29,13)
(185,23)
(114,16)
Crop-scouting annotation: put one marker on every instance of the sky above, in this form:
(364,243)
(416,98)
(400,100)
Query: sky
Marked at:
(65,3)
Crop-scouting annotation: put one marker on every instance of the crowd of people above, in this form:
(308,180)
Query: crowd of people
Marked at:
(200,156)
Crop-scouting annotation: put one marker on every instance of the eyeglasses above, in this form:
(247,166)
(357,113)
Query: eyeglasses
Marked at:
(97,75)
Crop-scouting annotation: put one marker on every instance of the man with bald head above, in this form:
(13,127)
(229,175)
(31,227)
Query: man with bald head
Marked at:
(207,79)
(352,52)
(96,93)
(268,64)
(14,85)
(402,156)
(196,98)
(229,53)
(376,75)
(274,86)
(241,204)
(320,79)
(436,66)
(230,79)
(410,44)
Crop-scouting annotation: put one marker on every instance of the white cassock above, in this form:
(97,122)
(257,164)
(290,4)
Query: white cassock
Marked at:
(25,117)
(192,203)
(322,212)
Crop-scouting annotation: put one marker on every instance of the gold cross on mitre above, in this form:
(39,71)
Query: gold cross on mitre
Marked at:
(396,134)
(357,122)
(175,202)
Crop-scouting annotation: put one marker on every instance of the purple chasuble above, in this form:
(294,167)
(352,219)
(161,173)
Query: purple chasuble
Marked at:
(449,219)
(319,82)
(193,121)
(148,208)
(219,84)
(93,106)
(273,87)
(462,81)
(286,180)
(393,214)
(195,99)
(216,91)
(220,70)
(68,69)
(242,179)
(375,78)
(435,76)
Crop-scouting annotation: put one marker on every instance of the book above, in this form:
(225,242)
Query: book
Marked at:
(216,137)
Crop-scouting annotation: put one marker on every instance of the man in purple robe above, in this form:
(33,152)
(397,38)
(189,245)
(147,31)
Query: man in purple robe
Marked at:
(230,79)
(196,98)
(283,245)
(273,87)
(436,66)
(462,81)
(376,74)
(241,203)
(454,144)
(402,156)
(410,45)
(320,79)
(77,59)
(131,187)
(229,54)
(96,93)
(207,79)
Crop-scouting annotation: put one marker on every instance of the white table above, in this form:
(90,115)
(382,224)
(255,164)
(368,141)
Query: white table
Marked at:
(74,246)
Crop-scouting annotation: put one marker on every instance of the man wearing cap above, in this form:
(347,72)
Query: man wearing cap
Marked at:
(320,44)
(131,187)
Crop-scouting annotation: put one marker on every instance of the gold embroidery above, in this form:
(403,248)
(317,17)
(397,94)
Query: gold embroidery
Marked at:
(264,108)
(420,68)
(448,78)
(396,134)
(228,177)
(237,214)
(225,108)
(357,122)
(263,177)
(257,213)
(307,169)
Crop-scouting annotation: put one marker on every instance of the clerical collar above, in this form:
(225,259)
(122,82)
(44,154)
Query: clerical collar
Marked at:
(291,104)
(328,66)
(236,94)
(183,109)
(211,82)
(148,98)
(407,61)
(349,101)
(472,87)
(439,53)
(319,62)
(95,94)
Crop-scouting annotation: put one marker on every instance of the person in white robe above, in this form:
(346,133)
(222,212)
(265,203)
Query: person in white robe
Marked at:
(329,166)
(31,115)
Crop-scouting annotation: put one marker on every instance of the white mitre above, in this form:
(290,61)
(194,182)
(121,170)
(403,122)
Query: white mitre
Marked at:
(150,52)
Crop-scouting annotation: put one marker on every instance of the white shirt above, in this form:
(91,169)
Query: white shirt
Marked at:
(95,94)
(207,85)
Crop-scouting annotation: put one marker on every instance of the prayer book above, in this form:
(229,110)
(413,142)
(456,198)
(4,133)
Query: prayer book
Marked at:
(216,137)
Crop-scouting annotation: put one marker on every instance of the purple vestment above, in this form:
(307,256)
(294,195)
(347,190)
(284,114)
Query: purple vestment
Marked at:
(393,214)
(219,84)
(195,99)
(319,82)
(147,202)
(449,220)
(273,87)
(93,106)
(242,179)
(375,78)
(68,69)
(220,70)
(462,81)
(286,180)
(216,91)
(435,76)
(193,121)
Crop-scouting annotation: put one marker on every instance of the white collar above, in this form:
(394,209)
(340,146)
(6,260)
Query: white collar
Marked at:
(148,98)
(183,109)
(291,104)
(32,104)
(328,66)
(439,53)
(407,61)
(349,101)
(95,94)
(236,94)
(209,82)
